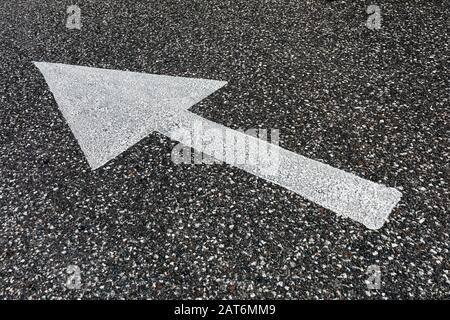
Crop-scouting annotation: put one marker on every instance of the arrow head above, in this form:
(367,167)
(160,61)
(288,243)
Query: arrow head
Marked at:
(109,111)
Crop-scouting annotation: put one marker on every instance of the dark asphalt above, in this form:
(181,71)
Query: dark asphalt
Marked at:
(375,103)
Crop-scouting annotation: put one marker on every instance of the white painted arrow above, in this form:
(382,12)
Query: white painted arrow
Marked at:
(109,111)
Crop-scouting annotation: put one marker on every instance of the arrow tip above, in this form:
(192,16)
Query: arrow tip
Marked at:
(108,111)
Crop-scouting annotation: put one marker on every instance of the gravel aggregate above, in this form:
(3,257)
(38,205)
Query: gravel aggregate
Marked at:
(372,102)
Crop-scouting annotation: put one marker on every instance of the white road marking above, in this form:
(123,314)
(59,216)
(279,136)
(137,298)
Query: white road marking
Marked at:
(109,111)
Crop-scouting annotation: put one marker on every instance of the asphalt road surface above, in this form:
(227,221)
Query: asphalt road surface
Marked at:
(371,102)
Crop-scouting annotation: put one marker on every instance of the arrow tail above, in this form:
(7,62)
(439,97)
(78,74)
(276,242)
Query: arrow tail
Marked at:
(343,193)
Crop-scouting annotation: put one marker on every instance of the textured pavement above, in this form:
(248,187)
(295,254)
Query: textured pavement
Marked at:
(375,103)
